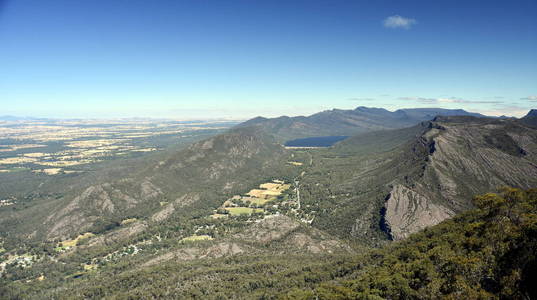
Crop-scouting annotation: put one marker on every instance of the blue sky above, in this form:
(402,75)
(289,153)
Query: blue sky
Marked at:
(239,59)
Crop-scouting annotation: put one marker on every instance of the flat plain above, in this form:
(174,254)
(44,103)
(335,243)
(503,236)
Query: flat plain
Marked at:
(57,147)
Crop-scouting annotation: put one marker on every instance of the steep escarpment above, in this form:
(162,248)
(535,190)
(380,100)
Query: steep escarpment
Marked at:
(466,156)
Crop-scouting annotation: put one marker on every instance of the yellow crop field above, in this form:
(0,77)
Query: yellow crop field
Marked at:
(65,163)
(35,155)
(256,193)
(260,201)
(18,147)
(267,192)
(94,143)
(145,150)
(51,171)
(17,160)
(73,242)
(270,185)
(272,193)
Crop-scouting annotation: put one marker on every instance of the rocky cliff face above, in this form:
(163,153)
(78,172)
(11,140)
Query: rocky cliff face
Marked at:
(408,211)
(466,156)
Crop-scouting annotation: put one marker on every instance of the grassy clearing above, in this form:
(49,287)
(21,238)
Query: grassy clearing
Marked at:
(89,267)
(65,163)
(128,221)
(256,193)
(196,238)
(237,211)
(36,154)
(218,216)
(260,201)
(145,150)
(94,143)
(17,160)
(72,243)
(18,147)
(51,171)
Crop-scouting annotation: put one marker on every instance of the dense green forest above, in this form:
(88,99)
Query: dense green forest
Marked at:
(485,253)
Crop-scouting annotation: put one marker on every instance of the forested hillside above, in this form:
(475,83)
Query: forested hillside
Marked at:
(485,253)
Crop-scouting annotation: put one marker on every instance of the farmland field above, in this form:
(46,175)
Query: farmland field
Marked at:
(236,211)
(50,147)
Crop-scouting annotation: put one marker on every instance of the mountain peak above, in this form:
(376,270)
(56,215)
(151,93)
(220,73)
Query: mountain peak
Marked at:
(532,113)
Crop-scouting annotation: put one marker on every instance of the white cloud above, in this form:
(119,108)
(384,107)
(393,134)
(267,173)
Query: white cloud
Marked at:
(361,99)
(419,99)
(447,100)
(532,98)
(508,110)
(399,22)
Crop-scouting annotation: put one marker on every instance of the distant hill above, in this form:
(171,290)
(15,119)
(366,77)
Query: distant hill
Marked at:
(339,122)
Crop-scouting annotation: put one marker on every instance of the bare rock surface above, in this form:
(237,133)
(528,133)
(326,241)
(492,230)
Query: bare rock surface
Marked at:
(408,212)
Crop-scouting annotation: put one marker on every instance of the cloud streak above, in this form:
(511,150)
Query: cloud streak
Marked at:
(532,98)
(399,22)
(362,99)
(447,100)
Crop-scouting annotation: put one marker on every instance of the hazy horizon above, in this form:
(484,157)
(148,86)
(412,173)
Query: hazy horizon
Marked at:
(223,118)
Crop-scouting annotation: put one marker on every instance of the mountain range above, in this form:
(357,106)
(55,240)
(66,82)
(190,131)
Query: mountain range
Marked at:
(349,122)
(397,174)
